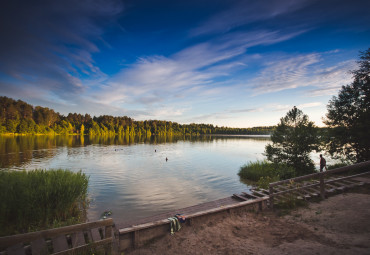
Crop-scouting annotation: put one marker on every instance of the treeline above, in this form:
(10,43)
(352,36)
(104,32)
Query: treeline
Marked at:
(17,116)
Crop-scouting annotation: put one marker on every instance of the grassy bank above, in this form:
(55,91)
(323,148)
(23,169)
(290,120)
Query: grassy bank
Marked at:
(40,199)
(264,172)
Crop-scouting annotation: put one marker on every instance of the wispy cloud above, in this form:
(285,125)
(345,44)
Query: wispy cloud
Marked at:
(302,71)
(284,73)
(191,72)
(246,12)
(287,107)
(327,81)
(48,45)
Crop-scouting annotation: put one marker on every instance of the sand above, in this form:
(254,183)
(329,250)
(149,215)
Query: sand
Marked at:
(337,225)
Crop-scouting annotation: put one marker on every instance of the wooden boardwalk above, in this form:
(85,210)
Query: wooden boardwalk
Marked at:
(187,210)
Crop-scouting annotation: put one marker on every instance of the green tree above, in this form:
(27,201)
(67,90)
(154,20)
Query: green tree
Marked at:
(292,141)
(348,116)
(82,129)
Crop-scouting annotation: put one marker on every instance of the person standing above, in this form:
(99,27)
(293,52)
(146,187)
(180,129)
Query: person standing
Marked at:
(322,163)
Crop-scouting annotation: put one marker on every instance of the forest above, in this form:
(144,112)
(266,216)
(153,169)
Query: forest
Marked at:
(19,117)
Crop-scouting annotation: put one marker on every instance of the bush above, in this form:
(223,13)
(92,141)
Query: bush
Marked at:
(40,199)
(263,182)
(255,170)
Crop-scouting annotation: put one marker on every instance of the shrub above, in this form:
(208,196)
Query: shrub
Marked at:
(39,199)
(255,170)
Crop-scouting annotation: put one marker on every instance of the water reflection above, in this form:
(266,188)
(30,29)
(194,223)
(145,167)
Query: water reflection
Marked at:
(131,177)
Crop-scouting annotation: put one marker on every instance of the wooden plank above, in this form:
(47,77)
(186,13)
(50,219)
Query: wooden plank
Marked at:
(249,195)
(89,236)
(39,247)
(341,169)
(17,249)
(305,177)
(240,197)
(60,243)
(193,215)
(51,233)
(313,192)
(95,234)
(259,193)
(290,190)
(78,239)
(264,191)
(79,250)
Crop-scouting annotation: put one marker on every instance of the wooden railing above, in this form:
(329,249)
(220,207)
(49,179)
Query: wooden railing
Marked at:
(76,239)
(300,185)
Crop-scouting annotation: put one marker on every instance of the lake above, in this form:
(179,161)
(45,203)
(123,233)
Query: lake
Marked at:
(131,177)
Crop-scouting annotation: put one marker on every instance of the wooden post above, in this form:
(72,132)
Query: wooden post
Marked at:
(322,185)
(108,234)
(271,194)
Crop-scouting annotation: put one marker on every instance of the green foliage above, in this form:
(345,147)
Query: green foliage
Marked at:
(292,141)
(255,170)
(348,116)
(23,118)
(264,181)
(40,199)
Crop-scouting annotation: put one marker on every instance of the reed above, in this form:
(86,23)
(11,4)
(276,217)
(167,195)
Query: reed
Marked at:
(255,170)
(40,199)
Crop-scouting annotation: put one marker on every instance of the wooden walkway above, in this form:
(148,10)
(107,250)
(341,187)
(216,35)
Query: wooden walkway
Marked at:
(187,210)
(319,184)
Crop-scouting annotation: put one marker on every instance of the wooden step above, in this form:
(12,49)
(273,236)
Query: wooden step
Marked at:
(240,197)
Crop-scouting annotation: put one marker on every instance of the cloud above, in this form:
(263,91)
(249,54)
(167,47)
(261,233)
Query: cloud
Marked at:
(309,105)
(246,12)
(284,73)
(308,70)
(192,72)
(327,81)
(287,107)
(49,44)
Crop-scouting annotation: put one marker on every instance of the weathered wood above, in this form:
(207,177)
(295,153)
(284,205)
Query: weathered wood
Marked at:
(95,234)
(108,231)
(60,243)
(193,215)
(39,247)
(305,177)
(322,186)
(259,193)
(313,192)
(240,197)
(108,234)
(315,175)
(249,195)
(271,193)
(78,239)
(298,188)
(17,249)
(89,236)
(264,191)
(80,249)
(51,233)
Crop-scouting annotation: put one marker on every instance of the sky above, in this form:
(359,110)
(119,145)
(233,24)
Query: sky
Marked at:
(235,63)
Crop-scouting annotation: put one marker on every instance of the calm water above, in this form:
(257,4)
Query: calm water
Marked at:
(133,180)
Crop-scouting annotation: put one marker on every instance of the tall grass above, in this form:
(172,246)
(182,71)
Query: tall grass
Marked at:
(255,170)
(39,199)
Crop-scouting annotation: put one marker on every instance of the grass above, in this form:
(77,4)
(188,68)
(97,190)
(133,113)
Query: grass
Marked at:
(254,171)
(41,199)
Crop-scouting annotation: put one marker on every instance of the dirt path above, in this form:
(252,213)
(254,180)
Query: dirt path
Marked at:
(338,225)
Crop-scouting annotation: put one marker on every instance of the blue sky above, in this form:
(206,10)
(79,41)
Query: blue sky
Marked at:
(228,63)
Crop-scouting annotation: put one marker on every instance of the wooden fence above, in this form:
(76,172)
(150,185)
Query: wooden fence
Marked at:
(306,186)
(76,239)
